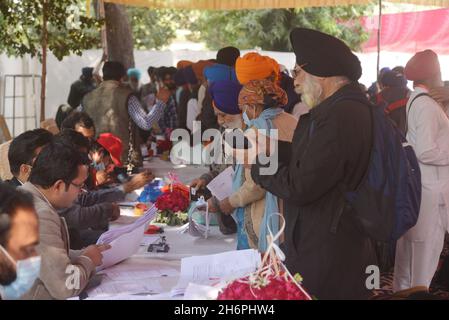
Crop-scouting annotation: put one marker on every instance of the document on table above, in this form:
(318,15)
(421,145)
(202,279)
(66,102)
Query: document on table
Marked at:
(215,268)
(147,286)
(122,247)
(221,185)
(125,241)
(126,272)
(146,218)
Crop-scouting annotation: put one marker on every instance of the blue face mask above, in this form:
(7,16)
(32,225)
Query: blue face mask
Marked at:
(27,271)
(99,166)
(247,120)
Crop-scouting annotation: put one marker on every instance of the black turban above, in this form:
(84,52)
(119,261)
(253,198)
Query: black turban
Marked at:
(228,56)
(323,55)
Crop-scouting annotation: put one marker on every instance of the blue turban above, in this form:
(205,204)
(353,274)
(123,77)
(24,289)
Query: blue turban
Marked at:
(225,95)
(133,72)
(393,79)
(220,72)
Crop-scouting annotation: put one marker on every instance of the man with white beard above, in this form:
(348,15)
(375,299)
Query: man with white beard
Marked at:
(229,116)
(330,153)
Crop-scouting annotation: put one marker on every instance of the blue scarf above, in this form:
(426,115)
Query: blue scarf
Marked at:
(264,121)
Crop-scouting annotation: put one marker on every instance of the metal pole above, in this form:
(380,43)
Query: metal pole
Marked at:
(378,37)
(44,58)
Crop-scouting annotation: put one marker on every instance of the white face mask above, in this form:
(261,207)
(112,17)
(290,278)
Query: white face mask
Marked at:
(237,123)
(27,271)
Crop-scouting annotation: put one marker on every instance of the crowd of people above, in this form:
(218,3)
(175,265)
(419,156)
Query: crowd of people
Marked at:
(66,186)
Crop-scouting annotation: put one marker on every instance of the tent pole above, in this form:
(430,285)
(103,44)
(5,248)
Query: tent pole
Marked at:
(378,37)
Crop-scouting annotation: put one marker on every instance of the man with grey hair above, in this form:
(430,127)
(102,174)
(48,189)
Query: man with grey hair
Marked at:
(328,156)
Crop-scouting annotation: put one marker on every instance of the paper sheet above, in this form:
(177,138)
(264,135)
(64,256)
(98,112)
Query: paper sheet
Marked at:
(213,269)
(147,286)
(130,272)
(113,234)
(122,247)
(221,185)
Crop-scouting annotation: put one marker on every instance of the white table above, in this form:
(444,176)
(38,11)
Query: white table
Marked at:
(181,245)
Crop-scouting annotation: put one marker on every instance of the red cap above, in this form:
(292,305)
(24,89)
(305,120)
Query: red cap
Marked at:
(113,145)
(423,65)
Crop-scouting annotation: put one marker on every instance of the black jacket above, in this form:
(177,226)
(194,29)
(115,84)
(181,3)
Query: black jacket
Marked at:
(334,158)
(78,90)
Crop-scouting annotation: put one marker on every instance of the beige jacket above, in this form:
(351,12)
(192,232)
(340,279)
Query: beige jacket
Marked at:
(60,266)
(252,196)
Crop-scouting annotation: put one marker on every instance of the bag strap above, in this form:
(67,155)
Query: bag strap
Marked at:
(396,105)
(410,107)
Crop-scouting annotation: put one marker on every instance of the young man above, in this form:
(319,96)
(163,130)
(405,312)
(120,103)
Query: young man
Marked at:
(80,122)
(55,183)
(19,236)
(92,211)
(418,251)
(23,151)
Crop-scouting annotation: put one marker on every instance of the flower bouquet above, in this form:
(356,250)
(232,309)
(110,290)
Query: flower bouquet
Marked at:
(172,206)
(272,281)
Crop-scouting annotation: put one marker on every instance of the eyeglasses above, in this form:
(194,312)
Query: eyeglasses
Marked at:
(78,186)
(297,70)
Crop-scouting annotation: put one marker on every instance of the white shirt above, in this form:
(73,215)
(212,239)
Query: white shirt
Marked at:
(193,111)
(428,133)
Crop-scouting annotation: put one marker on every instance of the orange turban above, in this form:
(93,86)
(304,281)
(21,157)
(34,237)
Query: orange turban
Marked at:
(183,63)
(253,66)
(198,68)
(255,92)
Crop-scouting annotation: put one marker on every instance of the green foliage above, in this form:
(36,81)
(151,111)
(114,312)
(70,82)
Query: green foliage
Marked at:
(269,29)
(69,31)
(153,29)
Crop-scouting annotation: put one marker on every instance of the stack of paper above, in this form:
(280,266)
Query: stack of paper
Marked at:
(207,270)
(124,241)
(115,233)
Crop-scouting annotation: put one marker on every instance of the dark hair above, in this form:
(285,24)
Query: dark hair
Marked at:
(57,161)
(73,139)
(10,200)
(151,70)
(23,148)
(113,70)
(96,147)
(63,111)
(77,117)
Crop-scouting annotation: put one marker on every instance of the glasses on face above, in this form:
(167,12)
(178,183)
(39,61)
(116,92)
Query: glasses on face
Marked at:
(78,186)
(297,70)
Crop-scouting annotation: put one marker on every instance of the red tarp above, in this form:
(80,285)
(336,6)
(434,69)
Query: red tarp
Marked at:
(410,32)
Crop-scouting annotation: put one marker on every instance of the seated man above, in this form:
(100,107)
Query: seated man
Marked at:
(19,236)
(56,180)
(89,217)
(23,151)
(80,122)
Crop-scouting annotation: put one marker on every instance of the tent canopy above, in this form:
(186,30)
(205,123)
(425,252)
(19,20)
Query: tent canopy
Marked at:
(410,31)
(258,4)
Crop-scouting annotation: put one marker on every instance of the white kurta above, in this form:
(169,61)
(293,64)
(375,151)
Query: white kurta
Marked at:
(418,251)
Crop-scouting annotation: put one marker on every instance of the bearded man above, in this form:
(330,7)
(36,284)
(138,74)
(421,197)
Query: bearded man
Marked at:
(329,155)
